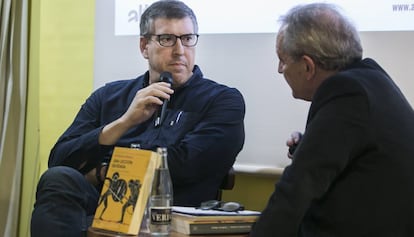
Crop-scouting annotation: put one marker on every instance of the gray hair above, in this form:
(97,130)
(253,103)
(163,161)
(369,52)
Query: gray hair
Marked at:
(169,9)
(321,32)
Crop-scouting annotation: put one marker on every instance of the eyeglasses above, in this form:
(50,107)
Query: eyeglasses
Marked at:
(169,40)
(221,206)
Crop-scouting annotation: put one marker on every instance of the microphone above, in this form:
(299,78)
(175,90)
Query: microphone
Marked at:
(164,77)
(292,148)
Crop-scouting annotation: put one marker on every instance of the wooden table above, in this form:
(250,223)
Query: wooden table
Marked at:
(92,232)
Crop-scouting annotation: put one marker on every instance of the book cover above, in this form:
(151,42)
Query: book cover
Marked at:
(126,190)
(193,225)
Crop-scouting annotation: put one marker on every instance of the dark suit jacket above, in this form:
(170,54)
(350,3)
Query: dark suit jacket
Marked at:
(353,172)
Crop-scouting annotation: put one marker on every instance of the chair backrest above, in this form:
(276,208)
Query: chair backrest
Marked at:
(227,183)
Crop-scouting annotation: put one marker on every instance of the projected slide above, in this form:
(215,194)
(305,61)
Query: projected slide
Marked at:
(260,16)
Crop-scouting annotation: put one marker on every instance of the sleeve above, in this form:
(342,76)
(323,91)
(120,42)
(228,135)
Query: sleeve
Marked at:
(333,136)
(212,146)
(79,143)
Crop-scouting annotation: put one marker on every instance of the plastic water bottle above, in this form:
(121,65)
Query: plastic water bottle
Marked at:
(161,199)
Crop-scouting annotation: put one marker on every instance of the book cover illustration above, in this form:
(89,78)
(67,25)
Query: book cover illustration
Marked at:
(125,191)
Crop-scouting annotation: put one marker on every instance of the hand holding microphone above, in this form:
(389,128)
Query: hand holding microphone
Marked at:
(293,142)
(144,105)
(164,77)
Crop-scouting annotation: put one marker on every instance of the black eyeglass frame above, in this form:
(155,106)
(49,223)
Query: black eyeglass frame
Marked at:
(221,206)
(174,41)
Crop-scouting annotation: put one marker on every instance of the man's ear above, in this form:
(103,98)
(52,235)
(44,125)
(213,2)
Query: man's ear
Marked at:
(143,45)
(310,67)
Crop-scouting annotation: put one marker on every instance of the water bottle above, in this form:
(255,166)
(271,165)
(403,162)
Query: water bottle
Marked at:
(161,198)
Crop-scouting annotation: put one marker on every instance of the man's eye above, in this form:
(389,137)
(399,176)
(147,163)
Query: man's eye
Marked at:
(187,38)
(166,38)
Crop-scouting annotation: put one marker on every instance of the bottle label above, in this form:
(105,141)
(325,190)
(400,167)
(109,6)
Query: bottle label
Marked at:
(161,215)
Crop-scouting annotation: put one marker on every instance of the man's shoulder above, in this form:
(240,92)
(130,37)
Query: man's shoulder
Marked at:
(123,83)
(120,85)
(209,92)
(218,87)
(209,84)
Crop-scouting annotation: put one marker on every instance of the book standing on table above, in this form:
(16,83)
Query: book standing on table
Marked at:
(126,190)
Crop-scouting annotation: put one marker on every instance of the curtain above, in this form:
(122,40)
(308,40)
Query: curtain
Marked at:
(13,84)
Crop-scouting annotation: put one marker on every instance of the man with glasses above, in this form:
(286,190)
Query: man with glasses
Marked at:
(203,127)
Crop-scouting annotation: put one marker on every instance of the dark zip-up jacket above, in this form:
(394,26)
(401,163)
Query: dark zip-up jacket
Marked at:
(203,131)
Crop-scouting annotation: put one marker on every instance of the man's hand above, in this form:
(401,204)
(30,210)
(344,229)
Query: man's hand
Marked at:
(97,179)
(292,143)
(146,102)
(142,107)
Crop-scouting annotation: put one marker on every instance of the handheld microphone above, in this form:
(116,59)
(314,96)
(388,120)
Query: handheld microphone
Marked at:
(164,77)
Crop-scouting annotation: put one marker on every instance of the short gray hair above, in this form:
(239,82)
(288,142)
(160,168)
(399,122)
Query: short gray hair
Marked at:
(169,9)
(321,32)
